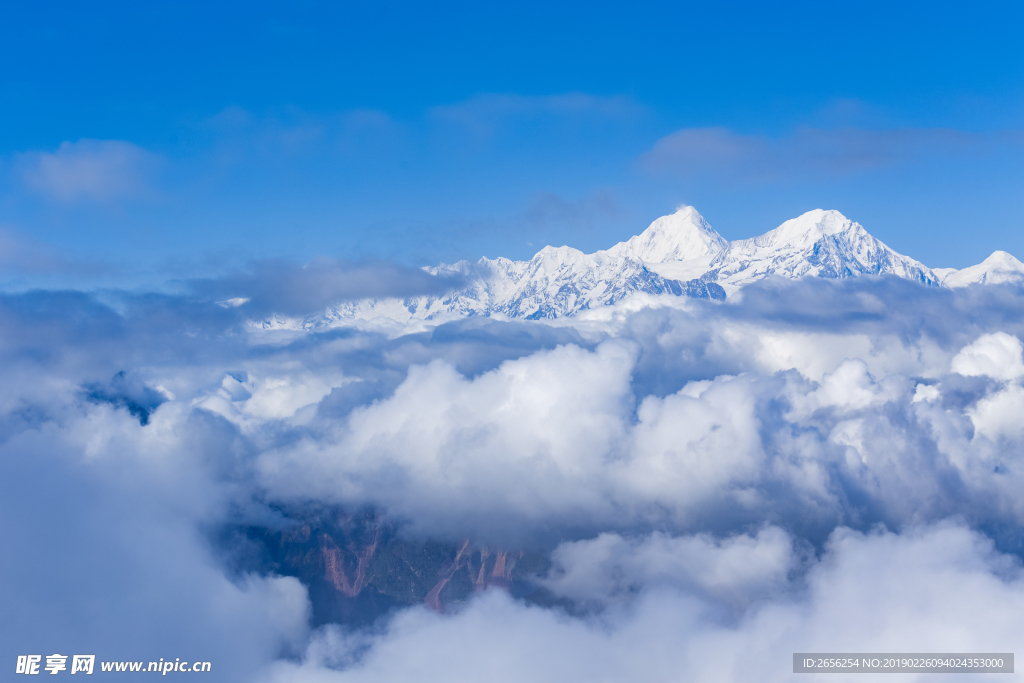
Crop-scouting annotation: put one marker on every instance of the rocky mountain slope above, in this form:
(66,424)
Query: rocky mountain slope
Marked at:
(358,567)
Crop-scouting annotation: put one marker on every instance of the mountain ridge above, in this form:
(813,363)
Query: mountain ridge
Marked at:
(676,255)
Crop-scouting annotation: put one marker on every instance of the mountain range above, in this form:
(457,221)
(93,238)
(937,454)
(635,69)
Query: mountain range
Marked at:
(677,255)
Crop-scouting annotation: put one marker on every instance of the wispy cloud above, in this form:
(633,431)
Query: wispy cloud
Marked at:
(805,153)
(483,114)
(92,170)
(279,286)
(547,209)
(22,255)
(294,132)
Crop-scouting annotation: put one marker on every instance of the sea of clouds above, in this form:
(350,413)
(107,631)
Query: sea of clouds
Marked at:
(831,466)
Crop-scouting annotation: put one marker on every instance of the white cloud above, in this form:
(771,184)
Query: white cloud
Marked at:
(926,392)
(683,449)
(94,170)
(109,556)
(934,589)
(530,436)
(687,465)
(735,570)
(560,437)
(996,355)
(283,395)
(999,415)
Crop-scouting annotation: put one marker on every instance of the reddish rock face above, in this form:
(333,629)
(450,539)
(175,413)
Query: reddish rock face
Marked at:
(357,567)
(334,569)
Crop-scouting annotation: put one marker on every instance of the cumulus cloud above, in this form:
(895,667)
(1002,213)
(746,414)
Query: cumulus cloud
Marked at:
(248,400)
(768,443)
(735,570)
(93,170)
(107,555)
(813,466)
(995,355)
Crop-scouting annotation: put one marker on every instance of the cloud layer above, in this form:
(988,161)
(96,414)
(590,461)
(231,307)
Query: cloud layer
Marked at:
(281,287)
(814,466)
(936,588)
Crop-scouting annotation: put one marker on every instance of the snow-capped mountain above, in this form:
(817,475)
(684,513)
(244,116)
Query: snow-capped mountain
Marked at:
(999,268)
(558,281)
(677,255)
(681,236)
(817,244)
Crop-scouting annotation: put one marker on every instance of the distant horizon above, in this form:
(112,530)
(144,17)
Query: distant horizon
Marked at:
(60,273)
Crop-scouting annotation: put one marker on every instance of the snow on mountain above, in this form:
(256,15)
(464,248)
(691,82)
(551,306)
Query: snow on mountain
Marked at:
(999,268)
(817,244)
(677,255)
(561,281)
(556,282)
(681,236)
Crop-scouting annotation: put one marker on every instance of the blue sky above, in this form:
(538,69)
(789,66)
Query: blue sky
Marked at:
(144,144)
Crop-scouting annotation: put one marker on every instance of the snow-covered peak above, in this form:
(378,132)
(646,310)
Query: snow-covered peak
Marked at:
(998,268)
(680,236)
(561,254)
(819,243)
(804,230)
(677,255)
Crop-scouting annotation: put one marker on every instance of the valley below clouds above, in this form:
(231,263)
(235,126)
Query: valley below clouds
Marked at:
(662,489)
